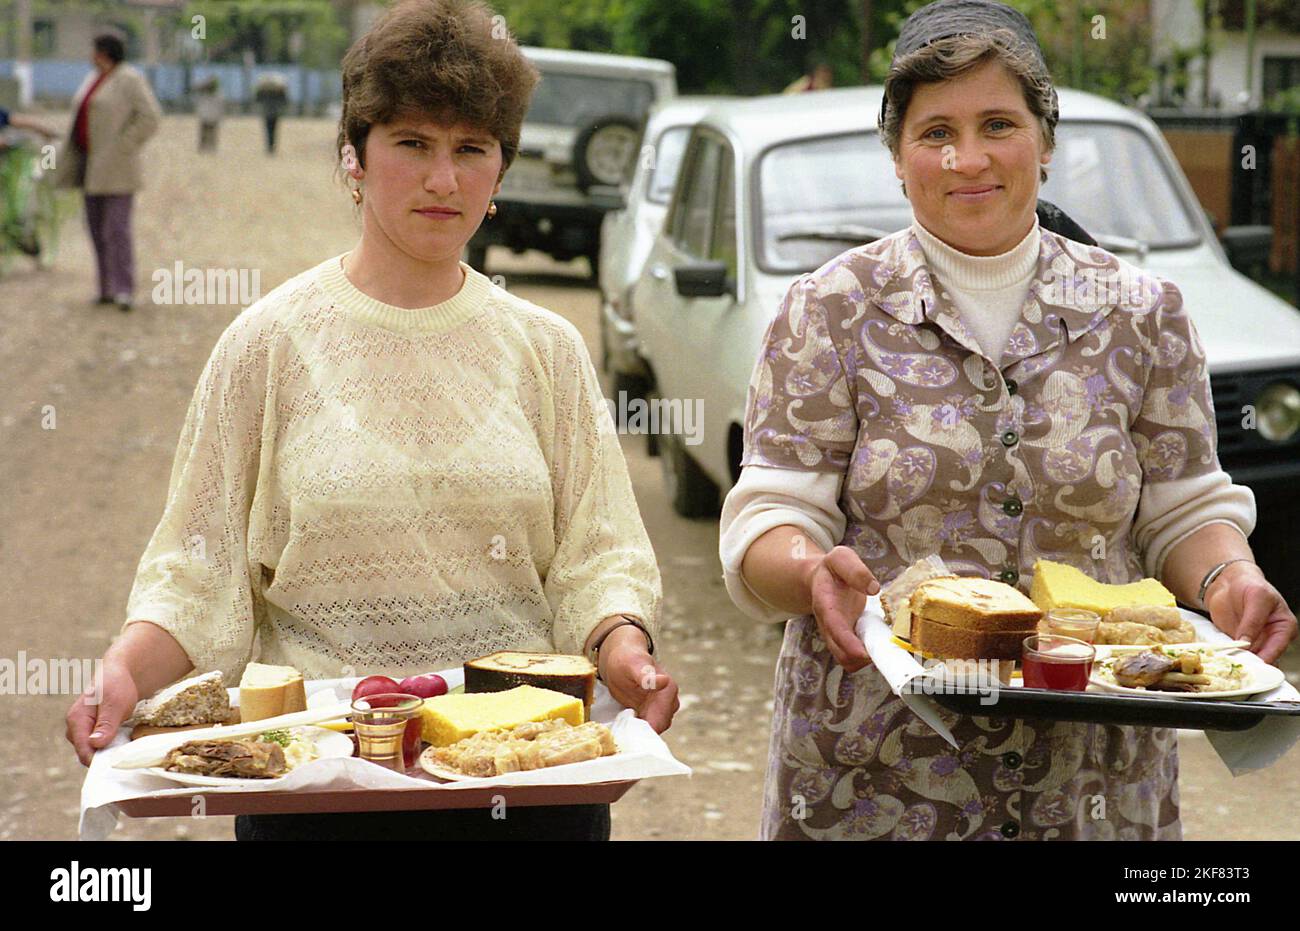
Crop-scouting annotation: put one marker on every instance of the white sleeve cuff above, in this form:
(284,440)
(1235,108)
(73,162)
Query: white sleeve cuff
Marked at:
(767,497)
(1169,512)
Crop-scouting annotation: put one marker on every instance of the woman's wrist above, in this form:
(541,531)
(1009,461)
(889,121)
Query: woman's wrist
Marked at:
(779,568)
(620,638)
(1237,567)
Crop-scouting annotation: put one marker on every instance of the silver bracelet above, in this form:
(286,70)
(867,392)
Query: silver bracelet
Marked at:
(1214,574)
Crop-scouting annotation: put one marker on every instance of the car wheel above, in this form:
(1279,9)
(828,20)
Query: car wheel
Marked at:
(691,492)
(605,151)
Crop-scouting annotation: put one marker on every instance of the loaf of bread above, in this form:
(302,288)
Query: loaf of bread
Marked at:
(270,691)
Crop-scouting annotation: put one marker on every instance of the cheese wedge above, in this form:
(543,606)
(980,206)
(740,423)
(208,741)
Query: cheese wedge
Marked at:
(1060,586)
(449,718)
(268,691)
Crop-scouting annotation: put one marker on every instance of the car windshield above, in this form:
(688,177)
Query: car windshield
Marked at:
(820,197)
(574,100)
(668,161)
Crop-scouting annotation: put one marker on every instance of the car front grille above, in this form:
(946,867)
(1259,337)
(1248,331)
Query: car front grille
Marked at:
(1241,445)
(1228,393)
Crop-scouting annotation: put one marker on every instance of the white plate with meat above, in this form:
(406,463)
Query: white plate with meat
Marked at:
(261,759)
(1170,672)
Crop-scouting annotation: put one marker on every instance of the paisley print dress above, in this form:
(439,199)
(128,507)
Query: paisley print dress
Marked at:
(867,372)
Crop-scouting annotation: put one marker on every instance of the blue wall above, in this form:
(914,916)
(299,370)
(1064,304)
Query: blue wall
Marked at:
(57,81)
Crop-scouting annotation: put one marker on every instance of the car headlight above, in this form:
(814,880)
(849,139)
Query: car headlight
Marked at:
(1277,410)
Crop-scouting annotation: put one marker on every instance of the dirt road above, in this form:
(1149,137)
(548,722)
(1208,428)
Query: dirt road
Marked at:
(78,502)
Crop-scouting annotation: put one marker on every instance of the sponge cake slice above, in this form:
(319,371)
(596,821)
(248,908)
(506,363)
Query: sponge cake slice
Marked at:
(976,604)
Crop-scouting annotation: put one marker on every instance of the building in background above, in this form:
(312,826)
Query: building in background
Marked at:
(44,47)
(1210,58)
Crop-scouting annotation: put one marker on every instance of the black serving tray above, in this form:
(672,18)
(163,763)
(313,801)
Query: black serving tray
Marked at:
(1108,708)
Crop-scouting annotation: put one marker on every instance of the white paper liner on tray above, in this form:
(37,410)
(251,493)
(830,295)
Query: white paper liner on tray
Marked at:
(642,755)
(1241,751)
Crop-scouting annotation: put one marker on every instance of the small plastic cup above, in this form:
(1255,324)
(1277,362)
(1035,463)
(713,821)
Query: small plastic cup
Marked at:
(1079,623)
(1051,661)
(388,729)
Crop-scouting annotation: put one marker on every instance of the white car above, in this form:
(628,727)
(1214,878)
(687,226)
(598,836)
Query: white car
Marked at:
(626,236)
(576,150)
(773,187)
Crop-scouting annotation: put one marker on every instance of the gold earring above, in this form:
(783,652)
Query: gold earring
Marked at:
(356,195)
(492,209)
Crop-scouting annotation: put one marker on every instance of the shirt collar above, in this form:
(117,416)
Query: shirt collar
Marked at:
(1059,297)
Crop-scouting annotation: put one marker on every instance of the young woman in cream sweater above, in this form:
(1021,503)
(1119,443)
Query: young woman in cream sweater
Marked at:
(390,464)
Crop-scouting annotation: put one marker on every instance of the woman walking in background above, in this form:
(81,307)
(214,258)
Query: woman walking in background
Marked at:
(209,107)
(116,114)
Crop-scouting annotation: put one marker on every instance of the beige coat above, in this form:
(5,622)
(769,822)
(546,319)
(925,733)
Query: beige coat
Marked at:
(123,115)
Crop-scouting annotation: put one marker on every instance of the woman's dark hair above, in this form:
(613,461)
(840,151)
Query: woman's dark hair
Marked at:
(451,60)
(111,47)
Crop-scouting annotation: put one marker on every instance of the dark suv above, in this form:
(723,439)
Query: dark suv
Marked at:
(579,145)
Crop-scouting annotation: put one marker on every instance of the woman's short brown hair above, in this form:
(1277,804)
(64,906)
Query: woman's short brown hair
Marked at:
(949,58)
(453,60)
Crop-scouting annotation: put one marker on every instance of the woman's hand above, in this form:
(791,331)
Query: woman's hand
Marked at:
(95,716)
(840,583)
(636,680)
(1246,606)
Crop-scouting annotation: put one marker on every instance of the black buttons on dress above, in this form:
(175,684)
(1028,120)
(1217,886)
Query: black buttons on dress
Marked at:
(1010,438)
(1013,506)
(1010,830)
(1012,760)
(1012,387)
(1010,576)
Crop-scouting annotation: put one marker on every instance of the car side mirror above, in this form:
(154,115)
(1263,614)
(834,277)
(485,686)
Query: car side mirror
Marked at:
(703,279)
(1247,246)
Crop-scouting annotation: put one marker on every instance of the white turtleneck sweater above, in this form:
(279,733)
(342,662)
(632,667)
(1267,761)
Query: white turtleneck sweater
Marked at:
(989,293)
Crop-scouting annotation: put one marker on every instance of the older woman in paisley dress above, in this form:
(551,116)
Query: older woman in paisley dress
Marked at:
(963,388)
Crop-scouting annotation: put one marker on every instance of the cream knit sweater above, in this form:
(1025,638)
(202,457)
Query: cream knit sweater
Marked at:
(367,489)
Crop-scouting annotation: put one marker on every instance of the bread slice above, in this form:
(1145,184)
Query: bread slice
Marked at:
(975,604)
(197,701)
(895,597)
(943,640)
